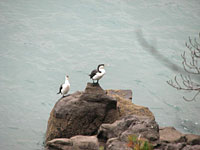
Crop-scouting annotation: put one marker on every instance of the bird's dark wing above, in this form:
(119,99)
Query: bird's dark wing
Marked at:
(93,73)
(60,89)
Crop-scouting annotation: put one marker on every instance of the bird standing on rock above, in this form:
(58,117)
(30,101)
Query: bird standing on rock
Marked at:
(64,88)
(98,73)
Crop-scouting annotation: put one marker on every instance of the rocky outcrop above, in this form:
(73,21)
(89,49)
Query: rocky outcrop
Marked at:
(106,118)
(137,125)
(81,113)
(117,133)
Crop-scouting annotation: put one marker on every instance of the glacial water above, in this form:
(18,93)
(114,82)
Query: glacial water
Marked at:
(42,41)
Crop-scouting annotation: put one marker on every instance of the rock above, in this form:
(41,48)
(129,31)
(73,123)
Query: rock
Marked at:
(78,142)
(116,144)
(126,107)
(192,139)
(110,114)
(126,94)
(130,125)
(194,147)
(172,146)
(171,135)
(81,113)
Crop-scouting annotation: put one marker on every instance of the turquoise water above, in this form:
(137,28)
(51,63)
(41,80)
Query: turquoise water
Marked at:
(41,41)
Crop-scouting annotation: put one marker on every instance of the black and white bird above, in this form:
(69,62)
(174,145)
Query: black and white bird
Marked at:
(64,88)
(98,73)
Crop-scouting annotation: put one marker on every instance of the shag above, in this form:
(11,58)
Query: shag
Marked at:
(64,88)
(98,73)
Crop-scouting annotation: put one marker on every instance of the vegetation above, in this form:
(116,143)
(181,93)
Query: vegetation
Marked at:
(138,143)
(190,79)
(101,148)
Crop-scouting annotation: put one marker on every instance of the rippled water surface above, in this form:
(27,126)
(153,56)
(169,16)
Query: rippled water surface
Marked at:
(41,41)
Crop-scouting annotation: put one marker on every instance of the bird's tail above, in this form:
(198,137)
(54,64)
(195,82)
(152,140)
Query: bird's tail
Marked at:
(58,93)
(88,74)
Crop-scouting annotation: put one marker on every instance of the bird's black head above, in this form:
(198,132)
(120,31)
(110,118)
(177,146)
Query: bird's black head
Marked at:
(67,77)
(100,66)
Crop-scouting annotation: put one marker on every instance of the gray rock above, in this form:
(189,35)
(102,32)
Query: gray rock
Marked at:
(116,144)
(177,146)
(117,133)
(81,113)
(171,135)
(144,126)
(192,147)
(75,143)
(192,139)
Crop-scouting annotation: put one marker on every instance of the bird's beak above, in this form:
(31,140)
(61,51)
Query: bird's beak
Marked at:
(106,65)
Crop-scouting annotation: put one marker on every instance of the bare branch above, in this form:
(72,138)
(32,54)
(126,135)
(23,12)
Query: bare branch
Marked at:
(189,79)
(193,98)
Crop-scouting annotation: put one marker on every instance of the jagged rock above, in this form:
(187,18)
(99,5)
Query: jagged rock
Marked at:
(78,142)
(116,144)
(172,146)
(190,147)
(126,107)
(81,113)
(120,130)
(171,135)
(126,94)
(192,139)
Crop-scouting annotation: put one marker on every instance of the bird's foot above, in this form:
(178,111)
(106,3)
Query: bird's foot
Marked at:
(66,95)
(95,84)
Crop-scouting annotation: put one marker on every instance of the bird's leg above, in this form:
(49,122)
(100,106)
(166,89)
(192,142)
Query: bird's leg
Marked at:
(93,83)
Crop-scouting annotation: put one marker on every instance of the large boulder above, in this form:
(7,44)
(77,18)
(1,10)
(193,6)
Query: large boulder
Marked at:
(81,113)
(117,133)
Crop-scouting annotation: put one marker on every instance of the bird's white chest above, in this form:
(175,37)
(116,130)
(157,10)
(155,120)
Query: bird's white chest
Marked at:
(65,88)
(98,75)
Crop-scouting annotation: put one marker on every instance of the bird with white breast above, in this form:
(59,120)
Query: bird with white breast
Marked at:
(98,73)
(64,88)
